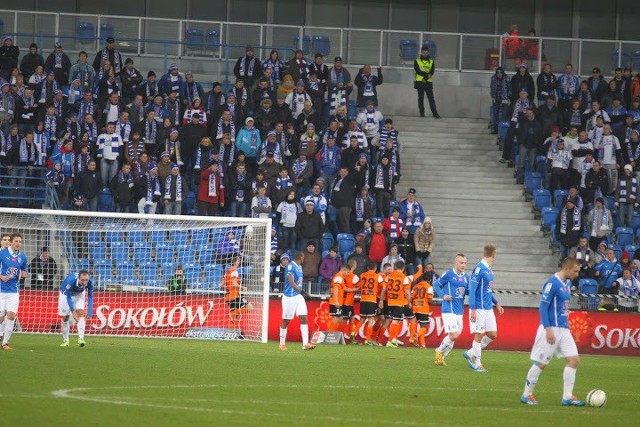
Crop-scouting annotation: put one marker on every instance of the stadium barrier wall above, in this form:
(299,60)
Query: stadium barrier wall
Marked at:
(151,315)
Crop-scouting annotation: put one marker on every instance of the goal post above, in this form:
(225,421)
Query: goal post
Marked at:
(135,261)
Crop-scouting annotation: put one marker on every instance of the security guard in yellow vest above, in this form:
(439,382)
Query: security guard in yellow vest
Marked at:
(424,67)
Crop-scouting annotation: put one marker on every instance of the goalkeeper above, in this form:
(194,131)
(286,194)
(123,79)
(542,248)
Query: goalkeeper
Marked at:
(238,305)
(71,303)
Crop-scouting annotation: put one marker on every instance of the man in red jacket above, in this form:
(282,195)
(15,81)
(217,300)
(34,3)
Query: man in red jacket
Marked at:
(377,243)
(211,192)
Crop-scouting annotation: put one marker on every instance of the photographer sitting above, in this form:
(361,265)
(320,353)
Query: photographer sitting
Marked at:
(178,282)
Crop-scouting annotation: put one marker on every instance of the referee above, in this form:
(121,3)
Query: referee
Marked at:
(424,66)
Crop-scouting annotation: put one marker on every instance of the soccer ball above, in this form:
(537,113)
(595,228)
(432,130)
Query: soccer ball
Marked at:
(596,398)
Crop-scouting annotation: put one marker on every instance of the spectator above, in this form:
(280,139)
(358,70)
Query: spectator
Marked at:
(568,87)
(618,113)
(377,243)
(384,182)
(109,54)
(407,250)
(367,86)
(9,54)
(365,207)
(549,116)
(248,68)
(83,72)
(43,271)
(301,172)
(330,264)
(518,112)
(559,161)
(342,195)
(228,248)
(500,95)
(311,263)
(425,239)
(369,120)
(392,257)
(308,142)
(626,196)
(277,67)
(211,191)
(278,275)
(514,46)
(522,81)
(150,190)
(609,95)
(628,286)
(265,117)
(260,204)
(175,190)
(411,211)
(171,81)
(297,99)
(289,210)
(164,167)
(316,88)
(587,258)
(26,111)
(393,224)
(248,140)
(568,226)
(178,283)
(308,115)
(309,226)
(297,67)
(599,223)
(89,185)
(122,189)
(608,149)
(546,83)
(360,257)
(607,272)
(60,64)
(110,148)
(597,84)
(30,61)
(596,182)
(339,85)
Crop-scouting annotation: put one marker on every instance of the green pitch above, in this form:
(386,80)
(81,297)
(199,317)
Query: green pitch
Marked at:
(145,382)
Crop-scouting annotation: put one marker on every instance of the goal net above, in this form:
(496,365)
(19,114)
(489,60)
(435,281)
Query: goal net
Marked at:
(135,262)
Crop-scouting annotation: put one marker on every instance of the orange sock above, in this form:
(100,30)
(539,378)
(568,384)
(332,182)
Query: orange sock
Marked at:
(346,328)
(355,326)
(421,336)
(394,328)
(413,327)
(368,331)
(380,333)
(332,325)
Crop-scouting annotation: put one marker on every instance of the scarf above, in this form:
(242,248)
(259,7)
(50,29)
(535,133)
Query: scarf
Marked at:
(7,103)
(585,100)
(627,195)
(586,167)
(86,107)
(167,190)
(359,209)
(338,99)
(27,152)
(298,167)
(214,178)
(395,227)
(47,89)
(150,131)
(520,107)
(122,178)
(173,107)
(564,218)
(124,129)
(226,154)
(634,154)
(276,69)
(329,158)
(82,160)
(58,59)
(199,156)
(41,142)
(153,187)
(242,95)
(28,102)
(91,130)
(82,73)
(135,152)
(576,118)
(368,85)
(212,103)
(116,59)
(385,135)
(240,178)
(567,85)
(605,142)
(297,101)
(220,130)
(600,220)
(192,92)
(249,71)
(262,202)
(384,178)
(283,184)
(151,89)
(303,68)
(172,147)
(50,125)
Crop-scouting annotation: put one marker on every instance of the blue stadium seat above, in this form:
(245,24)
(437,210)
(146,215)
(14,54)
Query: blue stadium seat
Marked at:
(213,39)
(541,165)
(554,239)
(206,253)
(638,236)
(179,237)
(327,240)
(200,236)
(93,236)
(433,49)
(186,254)
(213,274)
(322,45)
(624,236)
(589,286)
(635,221)
(135,234)
(119,251)
(194,38)
(346,243)
(345,256)
(503,128)
(105,201)
(126,270)
(558,198)
(610,201)
(306,44)
(155,286)
(113,232)
(549,217)
(164,253)
(541,198)
(192,272)
(168,268)
(617,249)
(631,249)
(624,57)
(98,250)
(353,111)
(158,236)
(80,264)
(325,253)
(532,181)
(141,252)
(102,268)
(245,272)
(85,31)
(408,50)
(149,271)
(189,203)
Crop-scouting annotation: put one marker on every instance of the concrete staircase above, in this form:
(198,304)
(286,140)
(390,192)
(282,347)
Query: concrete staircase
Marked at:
(473,200)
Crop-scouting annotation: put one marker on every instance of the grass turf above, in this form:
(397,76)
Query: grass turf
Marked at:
(128,381)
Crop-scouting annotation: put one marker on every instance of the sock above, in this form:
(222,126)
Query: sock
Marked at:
(476,350)
(447,349)
(346,328)
(380,333)
(233,316)
(368,331)
(283,336)
(65,330)
(355,326)
(446,343)
(2,327)
(421,335)
(532,380)
(413,328)
(82,321)
(394,329)
(485,341)
(304,331)
(8,330)
(569,379)
(332,325)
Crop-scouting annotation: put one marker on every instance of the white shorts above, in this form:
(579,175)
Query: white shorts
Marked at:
(543,352)
(9,302)
(293,306)
(452,322)
(63,304)
(485,322)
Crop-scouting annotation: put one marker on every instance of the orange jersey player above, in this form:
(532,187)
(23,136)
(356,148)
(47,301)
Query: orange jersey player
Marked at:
(351,285)
(421,294)
(341,283)
(370,286)
(238,305)
(398,293)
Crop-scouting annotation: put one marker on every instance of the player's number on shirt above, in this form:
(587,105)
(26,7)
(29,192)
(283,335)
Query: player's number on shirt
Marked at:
(394,286)
(368,286)
(420,293)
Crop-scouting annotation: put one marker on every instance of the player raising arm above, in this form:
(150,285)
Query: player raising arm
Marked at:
(293,303)
(397,291)
(482,319)
(71,303)
(370,284)
(452,288)
(553,337)
(13,267)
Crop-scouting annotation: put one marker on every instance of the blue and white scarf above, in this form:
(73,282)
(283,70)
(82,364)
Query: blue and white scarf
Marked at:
(124,129)
(297,102)
(249,71)
(27,152)
(226,155)
(153,187)
(92,131)
(627,195)
(167,190)
(85,107)
(600,220)
(276,70)
(337,99)
(7,103)
(82,160)
(220,130)
(214,179)
(298,167)
(386,135)
(28,102)
(116,59)
(283,184)
(47,89)
(41,142)
(199,156)
(360,208)
(173,107)
(151,89)
(134,153)
(240,178)
(384,181)
(192,92)
(150,131)
(368,85)
(51,125)
(564,219)
(395,227)
(261,202)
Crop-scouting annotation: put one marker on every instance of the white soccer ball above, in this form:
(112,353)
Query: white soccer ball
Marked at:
(596,398)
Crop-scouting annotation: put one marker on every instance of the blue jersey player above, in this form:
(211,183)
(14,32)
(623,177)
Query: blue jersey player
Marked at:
(13,268)
(452,287)
(482,319)
(553,337)
(293,303)
(71,303)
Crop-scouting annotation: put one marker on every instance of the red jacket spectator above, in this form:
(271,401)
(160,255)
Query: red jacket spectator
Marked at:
(211,191)
(377,244)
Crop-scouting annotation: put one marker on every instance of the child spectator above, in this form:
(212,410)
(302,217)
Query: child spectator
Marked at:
(330,264)
(289,210)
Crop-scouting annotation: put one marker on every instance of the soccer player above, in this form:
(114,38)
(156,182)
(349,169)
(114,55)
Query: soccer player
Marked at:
(341,283)
(5,242)
(452,288)
(293,303)
(384,320)
(13,267)
(370,284)
(421,294)
(351,281)
(71,303)
(554,337)
(482,319)
(397,291)
(238,305)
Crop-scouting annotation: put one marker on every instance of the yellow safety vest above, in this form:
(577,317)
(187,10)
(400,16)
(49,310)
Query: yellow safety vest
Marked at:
(425,65)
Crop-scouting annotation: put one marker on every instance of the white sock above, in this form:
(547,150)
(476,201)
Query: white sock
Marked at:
(65,330)
(8,330)
(81,325)
(448,348)
(304,331)
(532,380)
(476,350)
(445,345)
(2,327)
(485,341)
(569,379)
(283,336)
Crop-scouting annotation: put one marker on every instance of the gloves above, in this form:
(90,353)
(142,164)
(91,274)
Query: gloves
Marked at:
(305,294)
(616,204)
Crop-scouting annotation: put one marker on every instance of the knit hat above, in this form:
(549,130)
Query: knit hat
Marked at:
(173,66)
(300,83)
(248,119)
(628,168)
(57,45)
(153,166)
(165,154)
(174,166)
